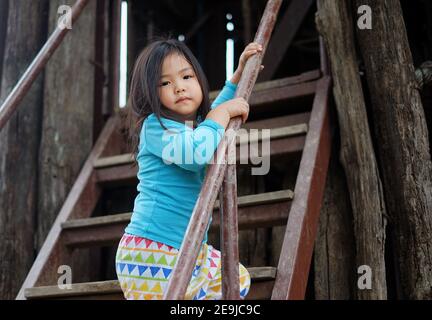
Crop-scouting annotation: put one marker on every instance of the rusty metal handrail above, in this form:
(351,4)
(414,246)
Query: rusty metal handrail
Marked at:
(24,84)
(191,244)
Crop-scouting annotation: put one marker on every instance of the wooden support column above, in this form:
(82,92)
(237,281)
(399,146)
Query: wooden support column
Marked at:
(229,231)
(4,9)
(402,143)
(67,133)
(356,154)
(19,143)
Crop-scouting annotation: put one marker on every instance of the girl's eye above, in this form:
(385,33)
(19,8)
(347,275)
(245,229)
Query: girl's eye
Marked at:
(188,76)
(164,83)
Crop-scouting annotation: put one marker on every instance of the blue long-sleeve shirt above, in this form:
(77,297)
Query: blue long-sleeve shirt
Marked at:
(171,169)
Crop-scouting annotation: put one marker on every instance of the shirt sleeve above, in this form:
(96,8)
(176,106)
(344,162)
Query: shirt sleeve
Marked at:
(190,149)
(227,93)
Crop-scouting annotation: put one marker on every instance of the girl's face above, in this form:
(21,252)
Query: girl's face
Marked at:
(179,89)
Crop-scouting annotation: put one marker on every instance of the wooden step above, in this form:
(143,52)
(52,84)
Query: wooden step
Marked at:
(119,169)
(259,210)
(281,89)
(261,287)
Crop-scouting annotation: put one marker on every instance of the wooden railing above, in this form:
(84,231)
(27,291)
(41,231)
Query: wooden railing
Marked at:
(24,84)
(84,193)
(219,171)
(18,93)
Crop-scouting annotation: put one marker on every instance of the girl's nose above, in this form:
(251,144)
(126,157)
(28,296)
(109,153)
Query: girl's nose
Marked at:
(179,89)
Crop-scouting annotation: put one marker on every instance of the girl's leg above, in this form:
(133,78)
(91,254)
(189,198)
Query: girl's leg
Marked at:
(206,280)
(215,287)
(143,267)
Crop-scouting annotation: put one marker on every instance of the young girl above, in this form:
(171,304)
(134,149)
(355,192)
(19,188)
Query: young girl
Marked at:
(169,100)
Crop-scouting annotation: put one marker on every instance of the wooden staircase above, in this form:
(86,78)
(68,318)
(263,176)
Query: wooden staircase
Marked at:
(282,105)
(108,166)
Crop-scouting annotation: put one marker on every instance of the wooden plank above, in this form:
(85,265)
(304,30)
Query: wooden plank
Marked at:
(278,122)
(297,247)
(22,33)
(67,137)
(278,83)
(269,96)
(113,160)
(80,202)
(260,288)
(276,133)
(262,210)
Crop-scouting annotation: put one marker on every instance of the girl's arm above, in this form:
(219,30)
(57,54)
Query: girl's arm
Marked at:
(190,149)
(229,109)
(226,94)
(251,49)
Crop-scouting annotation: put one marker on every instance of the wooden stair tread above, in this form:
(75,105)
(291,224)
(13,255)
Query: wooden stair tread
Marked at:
(243,201)
(279,83)
(260,210)
(258,274)
(275,133)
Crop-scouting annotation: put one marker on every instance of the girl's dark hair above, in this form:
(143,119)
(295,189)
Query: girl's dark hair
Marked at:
(143,95)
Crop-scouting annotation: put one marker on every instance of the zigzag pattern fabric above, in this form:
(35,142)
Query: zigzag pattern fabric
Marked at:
(144,267)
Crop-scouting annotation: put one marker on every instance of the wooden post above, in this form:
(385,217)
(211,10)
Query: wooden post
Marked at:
(67,129)
(229,232)
(402,143)
(18,92)
(3,26)
(19,144)
(356,154)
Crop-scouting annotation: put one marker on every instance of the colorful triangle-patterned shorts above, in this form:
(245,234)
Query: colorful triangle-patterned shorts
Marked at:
(144,266)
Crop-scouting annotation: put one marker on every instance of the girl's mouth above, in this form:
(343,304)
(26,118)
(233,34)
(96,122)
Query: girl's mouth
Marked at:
(182,99)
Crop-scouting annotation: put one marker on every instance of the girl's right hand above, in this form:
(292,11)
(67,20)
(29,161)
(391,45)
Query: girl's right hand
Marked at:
(237,107)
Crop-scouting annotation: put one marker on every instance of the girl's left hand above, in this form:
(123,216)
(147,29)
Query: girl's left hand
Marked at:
(251,49)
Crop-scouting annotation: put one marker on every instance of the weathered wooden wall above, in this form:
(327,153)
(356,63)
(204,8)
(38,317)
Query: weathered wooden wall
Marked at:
(334,253)
(67,128)
(3,26)
(19,143)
